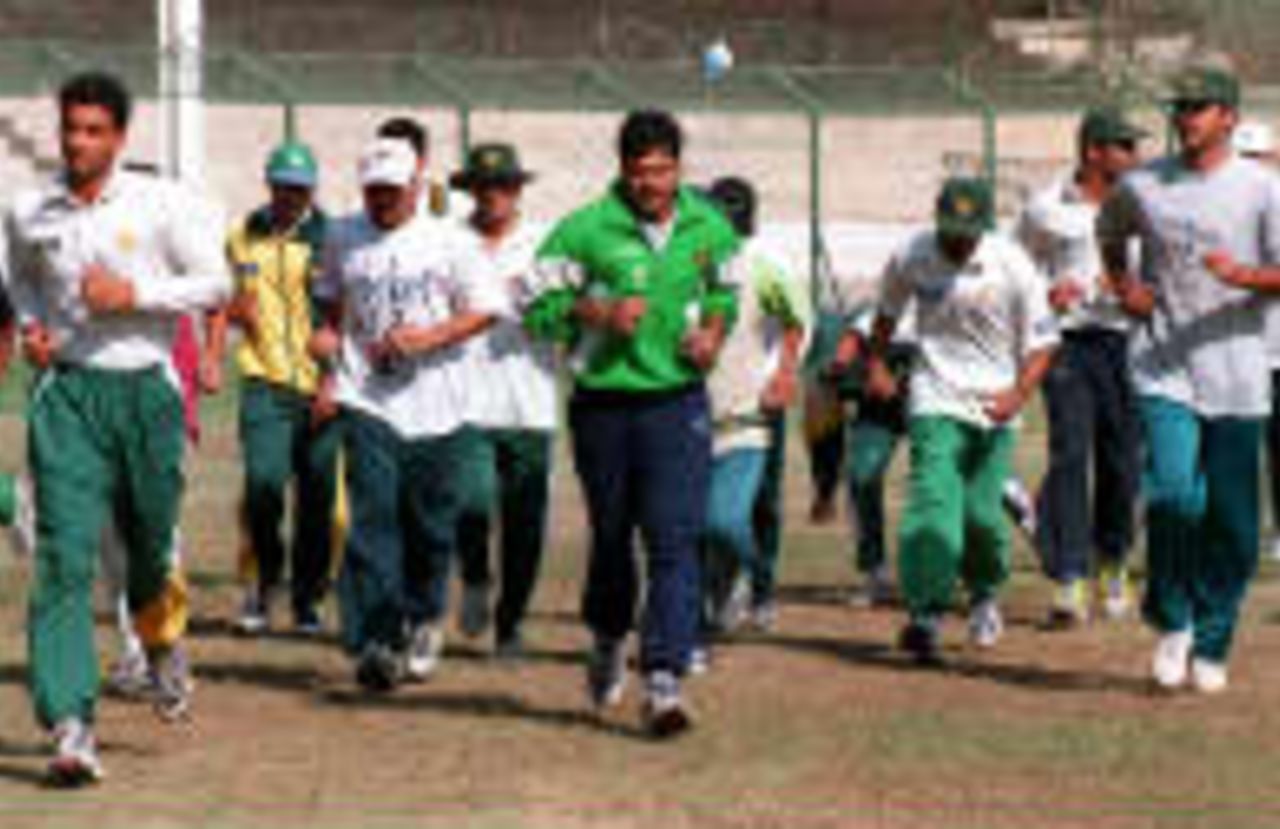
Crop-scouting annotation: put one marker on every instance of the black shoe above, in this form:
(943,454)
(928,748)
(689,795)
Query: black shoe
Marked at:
(920,639)
(307,621)
(378,669)
(509,649)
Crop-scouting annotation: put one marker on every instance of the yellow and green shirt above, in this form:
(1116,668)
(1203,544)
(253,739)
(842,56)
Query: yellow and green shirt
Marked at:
(278,269)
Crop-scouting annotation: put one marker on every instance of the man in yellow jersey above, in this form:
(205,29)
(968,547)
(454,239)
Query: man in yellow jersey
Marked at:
(286,431)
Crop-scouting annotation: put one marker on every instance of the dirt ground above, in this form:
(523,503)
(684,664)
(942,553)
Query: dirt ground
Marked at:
(817,724)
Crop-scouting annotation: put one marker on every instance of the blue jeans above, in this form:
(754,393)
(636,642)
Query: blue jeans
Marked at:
(1202,495)
(644,461)
(735,486)
(1093,434)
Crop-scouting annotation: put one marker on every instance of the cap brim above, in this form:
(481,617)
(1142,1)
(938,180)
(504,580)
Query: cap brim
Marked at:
(385,181)
(464,180)
(970,228)
(292,178)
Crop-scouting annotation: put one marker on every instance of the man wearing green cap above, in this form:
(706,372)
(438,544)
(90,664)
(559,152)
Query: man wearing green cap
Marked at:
(1209,224)
(1088,394)
(285,429)
(512,390)
(985,338)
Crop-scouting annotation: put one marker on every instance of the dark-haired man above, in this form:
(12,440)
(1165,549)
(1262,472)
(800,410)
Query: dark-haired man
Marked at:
(637,284)
(103,262)
(435,199)
(1094,435)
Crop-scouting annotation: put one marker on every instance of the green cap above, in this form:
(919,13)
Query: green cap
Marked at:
(490,164)
(1205,85)
(292,164)
(965,207)
(1108,125)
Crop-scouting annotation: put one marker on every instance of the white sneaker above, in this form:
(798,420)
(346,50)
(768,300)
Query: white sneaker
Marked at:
(22,532)
(1208,677)
(130,675)
(986,625)
(426,644)
(1169,662)
(1020,506)
(474,615)
(876,590)
(255,613)
(699,663)
(733,613)
(665,714)
(75,757)
(606,672)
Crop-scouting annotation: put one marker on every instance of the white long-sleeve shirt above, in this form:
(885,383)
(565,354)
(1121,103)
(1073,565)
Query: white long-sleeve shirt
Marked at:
(151,231)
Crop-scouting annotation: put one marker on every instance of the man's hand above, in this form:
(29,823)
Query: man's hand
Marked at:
(842,362)
(1223,266)
(618,316)
(105,292)
(243,311)
(39,345)
(210,374)
(324,344)
(781,391)
(400,341)
(1137,298)
(625,316)
(324,405)
(701,346)
(1065,294)
(881,384)
(1003,406)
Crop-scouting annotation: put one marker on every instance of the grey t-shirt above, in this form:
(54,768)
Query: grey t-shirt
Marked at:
(1205,343)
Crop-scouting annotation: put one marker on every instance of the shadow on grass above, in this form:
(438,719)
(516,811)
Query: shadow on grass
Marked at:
(13,673)
(955,662)
(488,705)
(263,675)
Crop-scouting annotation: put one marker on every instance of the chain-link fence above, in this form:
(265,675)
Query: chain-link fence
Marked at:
(846,140)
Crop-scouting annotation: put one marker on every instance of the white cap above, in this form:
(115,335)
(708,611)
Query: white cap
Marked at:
(1253,138)
(388,161)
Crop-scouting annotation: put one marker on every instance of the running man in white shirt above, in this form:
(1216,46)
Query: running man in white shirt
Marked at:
(986,338)
(103,261)
(398,318)
(1209,223)
(1094,433)
(512,391)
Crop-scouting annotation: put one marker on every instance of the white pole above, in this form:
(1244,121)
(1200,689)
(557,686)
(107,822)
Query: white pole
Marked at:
(180,44)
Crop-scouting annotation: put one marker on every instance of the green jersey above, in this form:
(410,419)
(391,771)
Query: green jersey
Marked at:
(603,250)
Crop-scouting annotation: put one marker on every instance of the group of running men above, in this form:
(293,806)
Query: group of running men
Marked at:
(398,370)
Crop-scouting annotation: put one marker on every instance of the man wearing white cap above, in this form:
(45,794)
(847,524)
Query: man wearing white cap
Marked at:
(398,315)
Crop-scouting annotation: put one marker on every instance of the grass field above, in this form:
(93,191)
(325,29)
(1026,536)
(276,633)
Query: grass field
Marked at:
(819,724)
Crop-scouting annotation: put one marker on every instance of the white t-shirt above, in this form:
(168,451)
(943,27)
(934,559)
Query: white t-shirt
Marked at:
(975,323)
(152,231)
(768,297)
(1058,229)
(385,278)
(1204,345)
(512,377)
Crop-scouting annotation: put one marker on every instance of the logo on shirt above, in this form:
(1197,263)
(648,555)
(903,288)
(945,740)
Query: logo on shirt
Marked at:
(127,241)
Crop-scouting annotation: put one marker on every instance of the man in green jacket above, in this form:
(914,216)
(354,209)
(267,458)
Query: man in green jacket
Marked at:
(637,284)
